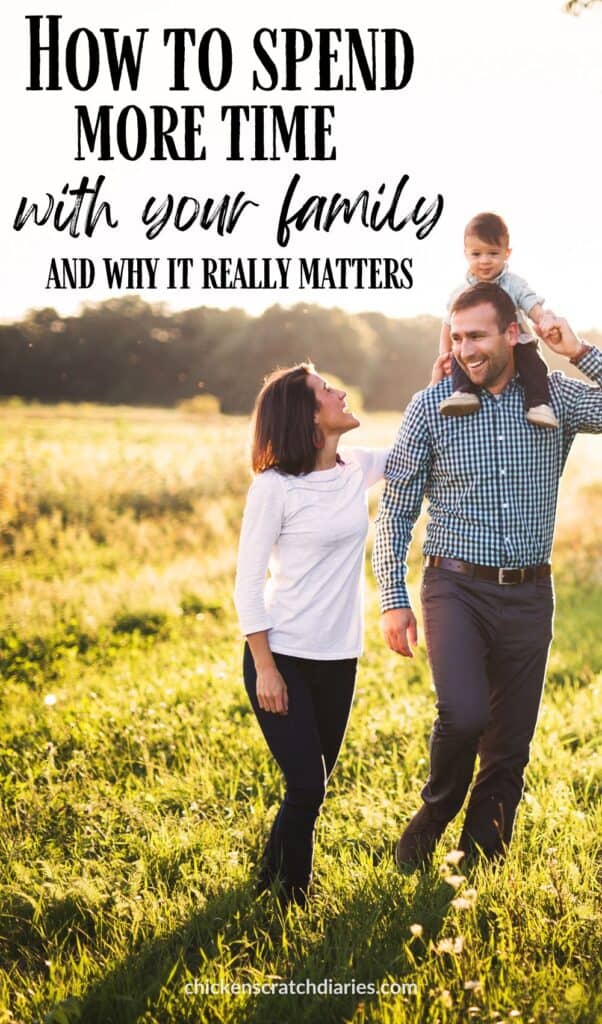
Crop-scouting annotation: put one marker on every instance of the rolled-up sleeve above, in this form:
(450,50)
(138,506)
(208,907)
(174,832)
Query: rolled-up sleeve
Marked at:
(261,527)
(406,475)
(583,402)
(521,293)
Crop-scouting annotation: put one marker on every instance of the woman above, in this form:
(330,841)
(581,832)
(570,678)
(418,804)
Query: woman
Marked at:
(307,517)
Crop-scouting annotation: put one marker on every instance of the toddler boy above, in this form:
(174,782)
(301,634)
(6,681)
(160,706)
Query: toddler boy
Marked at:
(487,248)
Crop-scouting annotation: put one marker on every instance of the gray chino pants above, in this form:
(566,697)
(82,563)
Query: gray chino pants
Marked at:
(487,646)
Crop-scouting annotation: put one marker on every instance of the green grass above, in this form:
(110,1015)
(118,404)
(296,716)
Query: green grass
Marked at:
(137,791)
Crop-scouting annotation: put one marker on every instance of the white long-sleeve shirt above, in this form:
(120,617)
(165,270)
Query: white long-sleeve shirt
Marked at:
(310,531)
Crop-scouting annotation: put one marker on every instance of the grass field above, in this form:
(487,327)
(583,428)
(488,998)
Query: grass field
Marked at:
(137,791)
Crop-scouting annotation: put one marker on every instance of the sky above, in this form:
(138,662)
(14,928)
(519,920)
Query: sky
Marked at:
(502,113)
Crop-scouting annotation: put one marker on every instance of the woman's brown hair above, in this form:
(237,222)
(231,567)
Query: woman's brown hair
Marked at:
(283,427)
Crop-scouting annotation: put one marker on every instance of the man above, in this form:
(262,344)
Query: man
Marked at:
(492,483)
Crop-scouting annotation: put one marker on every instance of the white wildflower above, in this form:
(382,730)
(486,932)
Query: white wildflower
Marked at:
(455,945)
(445,946)
(454,880)
(460,903)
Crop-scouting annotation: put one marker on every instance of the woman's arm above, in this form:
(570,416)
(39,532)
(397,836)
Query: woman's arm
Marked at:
(371,461)
(261,526)
(272,694)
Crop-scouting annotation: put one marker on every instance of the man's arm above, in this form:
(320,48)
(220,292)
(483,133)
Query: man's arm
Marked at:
(582,402)
(406,475)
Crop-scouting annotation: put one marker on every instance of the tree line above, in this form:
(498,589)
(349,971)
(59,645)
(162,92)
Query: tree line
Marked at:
(127,351)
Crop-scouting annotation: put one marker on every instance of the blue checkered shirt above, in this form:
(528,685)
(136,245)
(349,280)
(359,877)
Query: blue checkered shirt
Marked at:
(491,479)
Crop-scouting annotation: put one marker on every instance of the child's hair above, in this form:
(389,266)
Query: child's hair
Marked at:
(490,228)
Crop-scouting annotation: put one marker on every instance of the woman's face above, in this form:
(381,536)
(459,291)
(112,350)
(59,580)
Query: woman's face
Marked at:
(332,415)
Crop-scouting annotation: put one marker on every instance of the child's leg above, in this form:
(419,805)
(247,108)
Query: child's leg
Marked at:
(534,377)
(464,398)
(533,374)
(460,380)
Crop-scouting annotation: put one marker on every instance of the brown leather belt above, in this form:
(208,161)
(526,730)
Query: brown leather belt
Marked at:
(501,575)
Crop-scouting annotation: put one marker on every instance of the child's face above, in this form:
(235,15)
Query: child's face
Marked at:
(485,260)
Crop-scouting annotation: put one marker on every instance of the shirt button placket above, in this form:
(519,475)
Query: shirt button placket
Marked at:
(503,478)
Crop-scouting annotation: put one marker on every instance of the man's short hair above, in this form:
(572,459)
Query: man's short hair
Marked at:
(487,291)
(490,228)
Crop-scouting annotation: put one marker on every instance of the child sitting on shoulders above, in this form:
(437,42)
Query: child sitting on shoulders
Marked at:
(487,248)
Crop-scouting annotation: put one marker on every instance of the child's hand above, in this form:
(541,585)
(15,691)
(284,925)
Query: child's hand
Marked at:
(441,368)
(563,340)
(547,321)
(552,333)
(548,328)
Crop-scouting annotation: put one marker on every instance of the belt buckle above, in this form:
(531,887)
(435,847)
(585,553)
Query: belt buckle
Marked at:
(509,583)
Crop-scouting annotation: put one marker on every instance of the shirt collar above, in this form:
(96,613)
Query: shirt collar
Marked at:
(513,384)
(496,280)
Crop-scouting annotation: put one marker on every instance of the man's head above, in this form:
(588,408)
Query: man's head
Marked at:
(486,245)
(484,332)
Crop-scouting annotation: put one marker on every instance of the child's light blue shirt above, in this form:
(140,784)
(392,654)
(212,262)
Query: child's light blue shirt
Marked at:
(521,293)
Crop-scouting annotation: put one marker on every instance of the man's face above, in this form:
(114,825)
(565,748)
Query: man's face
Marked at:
(485,354)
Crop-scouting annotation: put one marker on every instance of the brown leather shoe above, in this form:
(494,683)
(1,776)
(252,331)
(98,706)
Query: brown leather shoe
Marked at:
(417,843)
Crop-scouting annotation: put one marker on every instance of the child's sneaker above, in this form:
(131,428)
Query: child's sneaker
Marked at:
(542,416)
(461,403)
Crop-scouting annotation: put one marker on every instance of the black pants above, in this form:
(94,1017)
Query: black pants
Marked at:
(532,371)
(487,646)
(305,743)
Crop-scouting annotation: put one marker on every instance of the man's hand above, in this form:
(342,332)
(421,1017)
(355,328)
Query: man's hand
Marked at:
(441,367)
(400,631)
(560,338)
